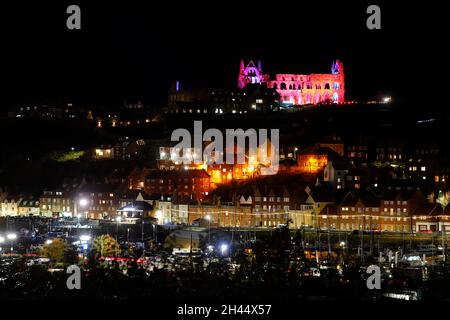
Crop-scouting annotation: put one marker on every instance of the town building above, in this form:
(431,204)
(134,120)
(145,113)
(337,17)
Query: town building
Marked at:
(56,203)
(192,183)
(222,215)
(28,207)
(10,206)
(96,201)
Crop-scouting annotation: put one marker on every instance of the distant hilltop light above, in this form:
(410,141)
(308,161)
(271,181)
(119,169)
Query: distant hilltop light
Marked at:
(387,99)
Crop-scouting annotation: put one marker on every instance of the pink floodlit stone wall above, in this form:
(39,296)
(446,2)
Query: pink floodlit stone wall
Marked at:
(299,89)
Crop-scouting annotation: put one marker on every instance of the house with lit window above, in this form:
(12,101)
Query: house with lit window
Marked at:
(358,211)
(135,211)
(56,203)
(394,211)
(357,149)
(28,207)
(180,213)
(318,199)
(163,208)
(96,201)
(397,207)
(392,151)
(426,218)
(221,215)
(359,178)
(10,206)
(191,183)
(335,173)
(271,206)
(103,152)
(301,213)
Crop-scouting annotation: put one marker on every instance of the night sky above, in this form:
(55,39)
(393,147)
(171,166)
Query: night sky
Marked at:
(133,50)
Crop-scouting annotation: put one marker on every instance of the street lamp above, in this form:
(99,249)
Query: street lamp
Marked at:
(223,249)
(2,239)
(118,220)
(85,238)
(11,237)
(208,217)
(159,216)
(155,233)
(49,241)
(83,202)
(78,216)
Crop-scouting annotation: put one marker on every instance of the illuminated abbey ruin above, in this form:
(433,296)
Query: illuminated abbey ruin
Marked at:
(298,89)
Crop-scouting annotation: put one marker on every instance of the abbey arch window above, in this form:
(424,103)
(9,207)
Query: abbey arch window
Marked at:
(335,85)
(309,86)
(290,87)
(308,98)
(317,98)
(335,97)
(283,86)
(327,86)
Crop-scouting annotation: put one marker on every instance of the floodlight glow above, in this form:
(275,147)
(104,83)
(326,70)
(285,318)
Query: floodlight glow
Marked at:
(85,237)
(223,248)
(11,236)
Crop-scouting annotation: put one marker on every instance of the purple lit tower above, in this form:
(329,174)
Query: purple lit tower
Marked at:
(250,74)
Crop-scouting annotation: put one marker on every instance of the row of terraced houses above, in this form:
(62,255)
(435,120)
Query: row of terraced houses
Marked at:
(395,210)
